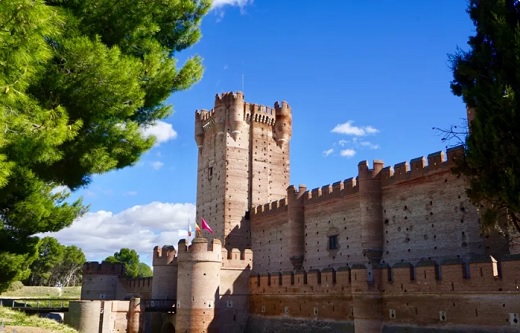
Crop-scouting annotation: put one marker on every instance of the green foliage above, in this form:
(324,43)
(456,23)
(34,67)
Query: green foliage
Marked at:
(56,264)
(49,256)
(15,285)
(144,270)
(78,81)
(130,260)
(488,79)
(44,292)
(69,270)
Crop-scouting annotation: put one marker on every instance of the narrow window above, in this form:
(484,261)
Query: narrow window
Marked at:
(333,242)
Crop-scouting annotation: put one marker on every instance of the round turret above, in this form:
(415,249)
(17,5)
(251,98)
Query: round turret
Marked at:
(199,130)
(283,126)
(369,183)
(236,114)
(198,284)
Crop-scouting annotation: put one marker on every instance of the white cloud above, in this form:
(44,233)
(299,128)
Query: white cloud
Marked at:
(328,152)
(161,130)
(156,165)
(368,144)
(342,143)
(100,234)
(371,130)
(349,129)
(60,189)
(222,3)
(348,153)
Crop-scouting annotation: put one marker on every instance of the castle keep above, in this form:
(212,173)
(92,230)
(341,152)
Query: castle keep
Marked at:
(392,249)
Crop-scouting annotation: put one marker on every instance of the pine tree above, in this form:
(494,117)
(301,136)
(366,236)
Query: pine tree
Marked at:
(488,79)
(79,79)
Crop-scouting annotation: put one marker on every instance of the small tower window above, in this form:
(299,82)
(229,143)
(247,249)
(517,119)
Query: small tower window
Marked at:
(333,242)
(210,172)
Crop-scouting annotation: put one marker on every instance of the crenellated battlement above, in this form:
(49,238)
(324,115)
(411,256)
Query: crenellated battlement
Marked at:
(203,114)
(330,191)
(273,207)
(200,250)
(104,268)
(316,195)
(228,98)
(480,274)
(137,283)
(164,256)
(260,114)
(421,166)
(283,108)
(231,114)
(237,259)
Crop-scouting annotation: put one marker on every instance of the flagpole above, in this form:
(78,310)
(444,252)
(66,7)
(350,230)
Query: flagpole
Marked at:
(189,231)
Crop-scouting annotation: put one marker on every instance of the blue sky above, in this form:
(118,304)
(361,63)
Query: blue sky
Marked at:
(365,80)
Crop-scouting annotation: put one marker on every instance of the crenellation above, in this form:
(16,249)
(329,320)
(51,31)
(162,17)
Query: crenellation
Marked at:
(426,277)
(327,189)
(315,193)
(264,282)
(300,278)
(435,160)
(386,175)
(509,271)
(137,283)
(328,277)
(338,186)
(225,99)
(454,153)
(314,277)
(237,259)
(103,268)
(260,114)
(287,278)
(330,191)
(401,170)
(163,256)
(418,166)
(272,208)
(350,185)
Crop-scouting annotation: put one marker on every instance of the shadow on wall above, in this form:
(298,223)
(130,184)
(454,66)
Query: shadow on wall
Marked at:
(232,296)
(239,237)
(168,328)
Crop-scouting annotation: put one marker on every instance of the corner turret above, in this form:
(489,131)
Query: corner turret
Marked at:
(200,116)
(283,127)
(370,194)
(236,114)
(199,278)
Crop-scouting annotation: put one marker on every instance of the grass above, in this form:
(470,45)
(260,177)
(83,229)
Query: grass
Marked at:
(45,292)
(19,322)
(16,321)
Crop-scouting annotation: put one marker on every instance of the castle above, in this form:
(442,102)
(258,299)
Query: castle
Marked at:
(394,249)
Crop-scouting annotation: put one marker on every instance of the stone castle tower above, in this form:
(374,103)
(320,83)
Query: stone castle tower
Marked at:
(243,162)
(392,249)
